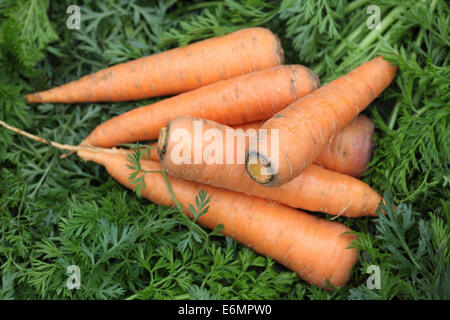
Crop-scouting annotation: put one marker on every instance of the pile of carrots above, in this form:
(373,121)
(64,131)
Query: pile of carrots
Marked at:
(239,81)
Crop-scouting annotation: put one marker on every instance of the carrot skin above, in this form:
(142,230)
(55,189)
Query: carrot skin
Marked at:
(316,189)
(314,248)
(173,71)
(350,150)
(308,124)
(251,97)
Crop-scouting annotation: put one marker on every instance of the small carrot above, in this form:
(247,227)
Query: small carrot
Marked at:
(316,189)
(174,71)
(350,150)
(307,125)
(314,248)
(251,97)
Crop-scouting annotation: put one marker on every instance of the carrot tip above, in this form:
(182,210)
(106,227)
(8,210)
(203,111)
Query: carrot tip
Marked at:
(258,167)
(33,97)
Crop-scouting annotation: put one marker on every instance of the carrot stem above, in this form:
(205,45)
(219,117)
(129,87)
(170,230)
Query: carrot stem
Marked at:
(203,5)
(319,67)
(394,115)
(368,40)
(169,187)
(354,5)
(421,32)
(385,23)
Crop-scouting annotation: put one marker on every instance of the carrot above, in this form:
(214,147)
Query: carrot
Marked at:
(251,97)
(174,71)
(350,150)
(316,189)
(307,125)
(314,248)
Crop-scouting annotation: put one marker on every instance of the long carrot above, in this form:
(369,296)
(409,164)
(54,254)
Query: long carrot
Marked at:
(314,248)
(307,125)
(316,189)
(251,97)
(174,71)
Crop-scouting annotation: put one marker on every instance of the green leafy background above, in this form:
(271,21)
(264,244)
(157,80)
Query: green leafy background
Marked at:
(55,213)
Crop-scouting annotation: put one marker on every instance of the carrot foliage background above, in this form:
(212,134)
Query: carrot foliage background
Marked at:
(55,213)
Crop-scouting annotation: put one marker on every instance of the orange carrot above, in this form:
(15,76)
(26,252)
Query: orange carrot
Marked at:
(307,125)
(316,189)
(251,97)
(251,125)
(174,71)
(350,150)
(314,248)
